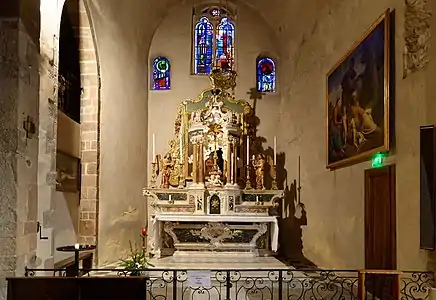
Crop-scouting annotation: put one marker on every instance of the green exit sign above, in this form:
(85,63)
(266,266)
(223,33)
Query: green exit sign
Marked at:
(378,160)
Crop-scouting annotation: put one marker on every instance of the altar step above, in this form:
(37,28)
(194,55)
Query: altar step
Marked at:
(198,262)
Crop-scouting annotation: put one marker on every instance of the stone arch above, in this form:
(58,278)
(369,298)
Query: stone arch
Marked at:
(90,134)
(51,14)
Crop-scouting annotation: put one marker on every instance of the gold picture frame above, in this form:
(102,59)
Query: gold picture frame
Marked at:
(357,99)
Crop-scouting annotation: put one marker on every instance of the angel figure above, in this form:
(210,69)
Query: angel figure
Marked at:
(167,166)
(259,166)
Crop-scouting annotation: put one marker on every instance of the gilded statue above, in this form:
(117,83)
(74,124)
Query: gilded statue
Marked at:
(167,167)
(259,166)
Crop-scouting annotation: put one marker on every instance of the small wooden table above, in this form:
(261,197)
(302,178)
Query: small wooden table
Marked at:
(72,248)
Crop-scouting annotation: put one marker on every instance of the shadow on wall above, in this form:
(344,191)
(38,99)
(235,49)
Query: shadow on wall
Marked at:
(293,217)
(292,213)
(257,147)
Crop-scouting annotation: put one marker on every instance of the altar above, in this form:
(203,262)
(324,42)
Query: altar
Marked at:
(213,191)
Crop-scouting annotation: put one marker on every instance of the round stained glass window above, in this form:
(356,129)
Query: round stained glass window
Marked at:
(215,12)
(162,66)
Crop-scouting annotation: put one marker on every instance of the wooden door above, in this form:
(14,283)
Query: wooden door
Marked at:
(380,230)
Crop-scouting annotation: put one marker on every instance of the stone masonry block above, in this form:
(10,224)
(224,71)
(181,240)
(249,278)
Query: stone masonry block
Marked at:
(89,180)
(88,205)
(88,126)
(89,156)
(91,168)
(89,193)
(87,227)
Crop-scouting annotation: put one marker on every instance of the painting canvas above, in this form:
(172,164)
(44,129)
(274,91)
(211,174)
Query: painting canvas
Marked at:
(358,99)
(67,173)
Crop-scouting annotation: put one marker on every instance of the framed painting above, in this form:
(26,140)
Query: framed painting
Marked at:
(68,173)
(357,108)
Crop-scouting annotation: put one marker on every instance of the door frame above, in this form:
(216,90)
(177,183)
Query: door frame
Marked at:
(391,170)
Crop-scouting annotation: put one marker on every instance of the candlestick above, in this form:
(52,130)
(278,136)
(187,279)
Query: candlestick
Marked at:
(181,179)
(275,150)
(153,175)
(154,148)
(248,150)
(274,178)
(248,181)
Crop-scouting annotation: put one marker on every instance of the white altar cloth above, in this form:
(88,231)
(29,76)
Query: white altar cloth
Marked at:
(274,231)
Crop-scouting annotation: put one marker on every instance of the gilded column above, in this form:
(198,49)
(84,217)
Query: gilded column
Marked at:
(201,164)
(195,162)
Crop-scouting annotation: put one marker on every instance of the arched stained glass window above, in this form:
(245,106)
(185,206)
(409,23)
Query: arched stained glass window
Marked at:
(161,73)
(225,50)
(203,46)
(266,75)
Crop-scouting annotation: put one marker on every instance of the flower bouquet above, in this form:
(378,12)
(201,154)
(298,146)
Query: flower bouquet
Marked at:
(137,261)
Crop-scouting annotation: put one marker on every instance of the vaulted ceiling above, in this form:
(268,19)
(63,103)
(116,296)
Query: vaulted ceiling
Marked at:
(142,17)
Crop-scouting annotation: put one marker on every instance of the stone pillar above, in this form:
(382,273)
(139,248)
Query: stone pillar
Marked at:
(19,99)
(195,162)
(229,165)
(90,137)
(201,164)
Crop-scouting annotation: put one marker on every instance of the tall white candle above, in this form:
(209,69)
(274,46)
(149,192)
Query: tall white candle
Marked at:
(275,151)
(248,150)
(154,148)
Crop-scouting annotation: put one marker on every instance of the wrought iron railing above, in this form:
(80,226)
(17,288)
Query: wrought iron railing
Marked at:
(290,284)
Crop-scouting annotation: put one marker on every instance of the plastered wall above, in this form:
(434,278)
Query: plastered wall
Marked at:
(334,236)
(123,131)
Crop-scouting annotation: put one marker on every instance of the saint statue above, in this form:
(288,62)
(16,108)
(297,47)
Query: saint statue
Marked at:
(167,166)
(259,167)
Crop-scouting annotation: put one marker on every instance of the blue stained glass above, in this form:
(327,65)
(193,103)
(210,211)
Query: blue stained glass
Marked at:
(225,48)
(203,46)
(266,75)
(161,73)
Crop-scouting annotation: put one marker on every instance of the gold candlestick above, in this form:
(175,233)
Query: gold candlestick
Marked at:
(181,179)
(153,175)
(274,177)
(248,181)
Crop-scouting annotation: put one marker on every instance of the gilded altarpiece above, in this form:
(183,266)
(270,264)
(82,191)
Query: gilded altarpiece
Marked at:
(207,193)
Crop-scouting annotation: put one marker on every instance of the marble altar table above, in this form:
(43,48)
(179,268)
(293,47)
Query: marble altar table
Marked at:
(215,229)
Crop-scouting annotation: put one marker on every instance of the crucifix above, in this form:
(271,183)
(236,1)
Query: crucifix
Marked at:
(29,127)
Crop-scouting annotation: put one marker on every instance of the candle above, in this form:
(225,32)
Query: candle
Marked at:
(275,151)
(154,148)
(181,149)
(248,150)
(77,246)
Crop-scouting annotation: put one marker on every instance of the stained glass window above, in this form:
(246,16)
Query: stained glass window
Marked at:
(203,46)
(161,73)
(266,75)
(225,50)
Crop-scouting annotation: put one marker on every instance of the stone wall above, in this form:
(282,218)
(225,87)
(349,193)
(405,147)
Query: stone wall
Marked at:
(19,83)
(334,236)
